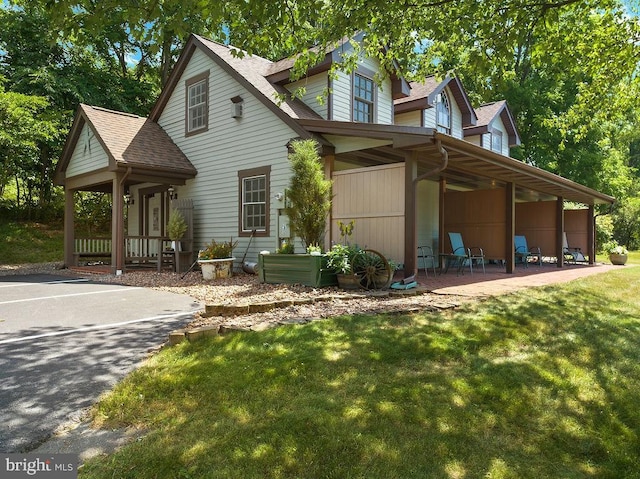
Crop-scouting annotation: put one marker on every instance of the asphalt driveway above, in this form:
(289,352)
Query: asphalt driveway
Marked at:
(64,341)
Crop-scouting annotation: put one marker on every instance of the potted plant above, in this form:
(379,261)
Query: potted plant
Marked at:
(216,259)
(176,228)
(341,259)
(309,193)
(618,254)
(308,202)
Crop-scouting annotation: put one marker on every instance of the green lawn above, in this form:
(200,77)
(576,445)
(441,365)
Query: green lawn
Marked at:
(542,384)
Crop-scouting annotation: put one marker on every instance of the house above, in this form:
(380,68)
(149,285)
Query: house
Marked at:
(409,161)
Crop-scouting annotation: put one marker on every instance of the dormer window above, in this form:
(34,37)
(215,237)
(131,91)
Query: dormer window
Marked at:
(496,141)
(363,99)
(443,113)
(197,104)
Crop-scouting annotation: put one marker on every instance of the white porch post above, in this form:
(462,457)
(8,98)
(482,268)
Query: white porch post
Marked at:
(560,231)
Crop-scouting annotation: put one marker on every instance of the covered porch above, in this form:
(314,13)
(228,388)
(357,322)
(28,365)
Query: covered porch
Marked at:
(407,187)
(134,161)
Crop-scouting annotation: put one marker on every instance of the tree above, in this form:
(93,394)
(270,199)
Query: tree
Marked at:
(308,194)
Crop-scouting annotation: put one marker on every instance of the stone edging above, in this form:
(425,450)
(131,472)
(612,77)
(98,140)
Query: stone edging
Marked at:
(231,310)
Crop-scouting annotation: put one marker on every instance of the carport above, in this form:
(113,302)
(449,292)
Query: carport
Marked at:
(378,172)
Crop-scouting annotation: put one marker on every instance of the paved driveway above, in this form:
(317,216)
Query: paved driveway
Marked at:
(65,341)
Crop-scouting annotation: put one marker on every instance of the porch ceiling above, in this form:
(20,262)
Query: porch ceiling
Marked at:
(469,166)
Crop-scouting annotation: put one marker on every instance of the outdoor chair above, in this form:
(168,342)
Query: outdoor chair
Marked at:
(524,253)
(571,254)
(462,256)
(426,253)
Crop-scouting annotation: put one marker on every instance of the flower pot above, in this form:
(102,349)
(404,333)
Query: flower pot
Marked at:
(308,269)
(349,281)
(618,259)
(216,268)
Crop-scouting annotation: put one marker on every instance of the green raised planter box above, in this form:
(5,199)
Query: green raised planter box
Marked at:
(307,269)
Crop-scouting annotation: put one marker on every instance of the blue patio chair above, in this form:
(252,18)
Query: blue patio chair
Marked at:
(462,256)
(524,253)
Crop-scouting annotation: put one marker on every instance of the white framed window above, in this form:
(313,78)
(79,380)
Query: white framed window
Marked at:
(254,201)
(197,104)
(363,99)
(496,141)
(443,113)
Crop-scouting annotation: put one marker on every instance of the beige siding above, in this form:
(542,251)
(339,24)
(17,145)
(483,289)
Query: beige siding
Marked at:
(314,87)
(475,139)
(374,198)
(259,138)
(411,118)
(88,155)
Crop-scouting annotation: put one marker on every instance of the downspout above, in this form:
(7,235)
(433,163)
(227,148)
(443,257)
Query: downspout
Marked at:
(445,162)
(414,246)
(119,243)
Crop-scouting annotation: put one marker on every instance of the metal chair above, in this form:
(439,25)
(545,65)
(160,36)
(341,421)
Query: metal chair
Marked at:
(461,255)
(523,252)
(426,252)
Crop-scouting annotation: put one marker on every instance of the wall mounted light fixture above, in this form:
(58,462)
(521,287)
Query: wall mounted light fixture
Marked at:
(172,193)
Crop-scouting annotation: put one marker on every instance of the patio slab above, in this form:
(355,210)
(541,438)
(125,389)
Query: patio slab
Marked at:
(496,281)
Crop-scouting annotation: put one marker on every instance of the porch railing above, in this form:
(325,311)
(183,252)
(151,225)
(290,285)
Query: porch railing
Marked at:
(137,249)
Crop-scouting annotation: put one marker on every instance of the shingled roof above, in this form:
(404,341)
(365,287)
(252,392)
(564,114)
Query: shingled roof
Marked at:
(487,113)
(423,95)
(129,141)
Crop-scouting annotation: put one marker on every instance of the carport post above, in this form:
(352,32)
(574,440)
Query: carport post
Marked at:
(410,214)
(560,231)
(510,226)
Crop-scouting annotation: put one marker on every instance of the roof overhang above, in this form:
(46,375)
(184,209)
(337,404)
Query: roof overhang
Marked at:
(465,160)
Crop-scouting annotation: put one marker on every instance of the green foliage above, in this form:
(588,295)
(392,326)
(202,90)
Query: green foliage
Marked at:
(217,250)
(92,213)
(626,221)
(612,247)
(176,226)
(537,385)
(308,194)
(286,248)
(30,242)
(341,257)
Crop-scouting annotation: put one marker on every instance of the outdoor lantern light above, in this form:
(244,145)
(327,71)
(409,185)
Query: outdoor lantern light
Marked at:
(172,192)
(128,199)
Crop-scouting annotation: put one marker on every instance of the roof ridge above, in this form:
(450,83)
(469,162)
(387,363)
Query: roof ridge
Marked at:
(115,112)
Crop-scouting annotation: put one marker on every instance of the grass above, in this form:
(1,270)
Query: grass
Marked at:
(538,385)
(29,242)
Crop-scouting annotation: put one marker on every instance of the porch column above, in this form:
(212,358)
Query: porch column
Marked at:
(69,228)
(117,226)
(410,214)
(510,225)
(559,230)
(591,235)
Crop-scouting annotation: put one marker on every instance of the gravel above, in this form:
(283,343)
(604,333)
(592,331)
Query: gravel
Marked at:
(244,288)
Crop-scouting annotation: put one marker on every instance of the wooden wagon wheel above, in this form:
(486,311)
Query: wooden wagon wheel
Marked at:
(373,269)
